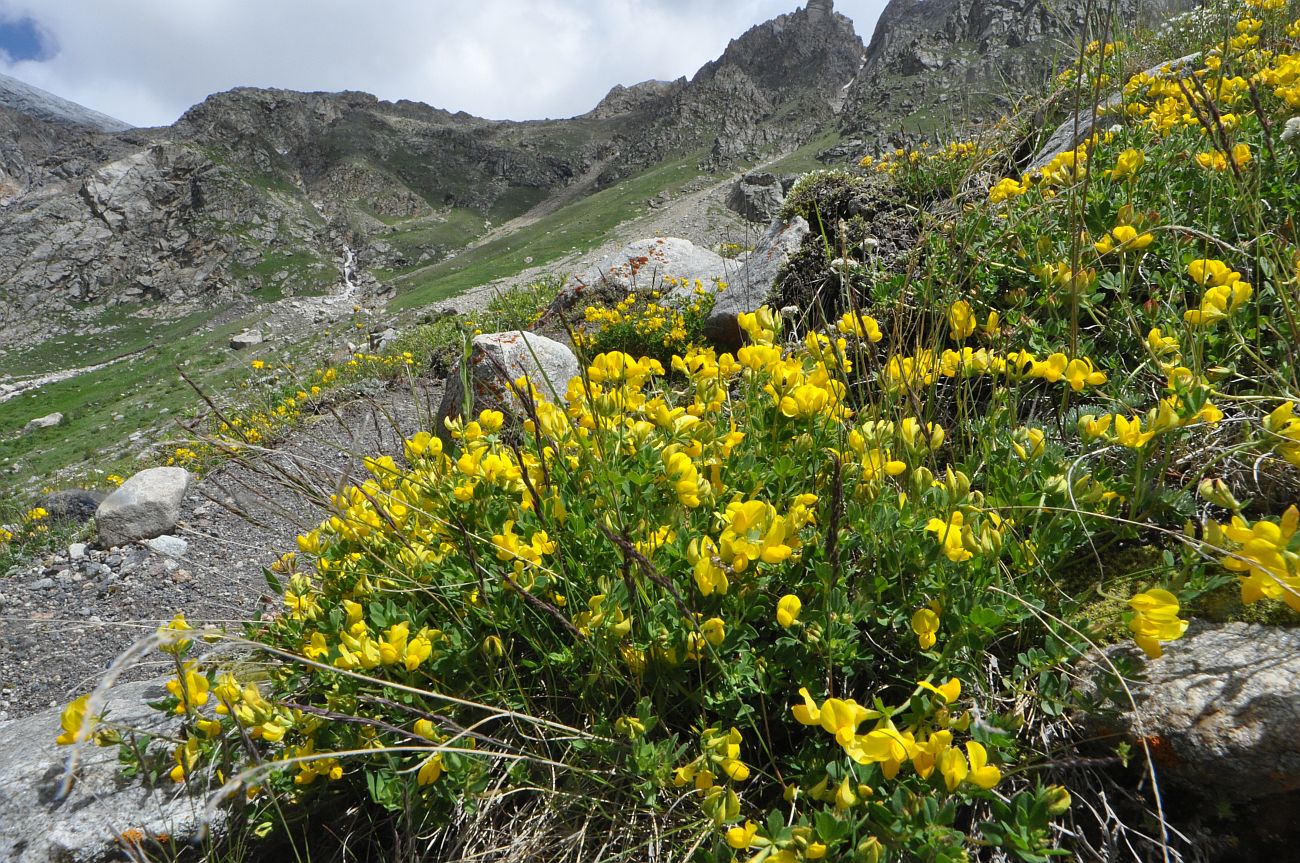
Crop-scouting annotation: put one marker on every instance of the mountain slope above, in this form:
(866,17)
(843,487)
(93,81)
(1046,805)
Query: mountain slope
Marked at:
(41,105)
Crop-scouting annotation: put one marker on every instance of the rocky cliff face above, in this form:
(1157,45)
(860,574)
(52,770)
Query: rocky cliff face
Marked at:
(773,88)
(933,63)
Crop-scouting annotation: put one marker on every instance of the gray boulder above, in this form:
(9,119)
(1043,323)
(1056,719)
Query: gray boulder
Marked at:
(105,817)
(644,265)
(246,339)
(752,286)
(72,505)
(1225,700)
(496,361)
(757,196)
(48,421)
(146,505)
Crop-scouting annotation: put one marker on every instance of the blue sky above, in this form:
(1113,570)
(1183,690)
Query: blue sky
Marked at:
(20,40)
(146,61)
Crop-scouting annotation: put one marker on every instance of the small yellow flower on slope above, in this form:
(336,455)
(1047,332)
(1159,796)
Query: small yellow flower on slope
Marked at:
(787,610)
(1125,238)
(860,326)
(925,623)
(1155,619)
(949,691)
(76,725)
(1127,163)
(961,320)
(982,773)
(948,533)
(1270,569)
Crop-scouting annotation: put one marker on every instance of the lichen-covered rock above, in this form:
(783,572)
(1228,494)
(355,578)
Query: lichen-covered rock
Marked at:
(757,196)
(1224,703)
(146,505)
(105,814)
(496,361)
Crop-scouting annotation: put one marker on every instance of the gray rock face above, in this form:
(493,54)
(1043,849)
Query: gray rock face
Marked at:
(102,810)
(496,361)
(48,421)
(1226,700)
(757,196)
(976,54)
(145,506)
(752,285)
(644,265)
(76,505)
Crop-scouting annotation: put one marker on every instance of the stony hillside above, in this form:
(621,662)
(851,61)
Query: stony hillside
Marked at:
(935,63)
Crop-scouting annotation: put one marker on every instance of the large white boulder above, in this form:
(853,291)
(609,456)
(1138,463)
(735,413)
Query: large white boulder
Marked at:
(146,505)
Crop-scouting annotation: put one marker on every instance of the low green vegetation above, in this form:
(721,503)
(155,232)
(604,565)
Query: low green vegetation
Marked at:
(822,598)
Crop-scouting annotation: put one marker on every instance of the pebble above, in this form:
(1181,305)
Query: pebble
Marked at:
(42,584)
(171,546)
(77,550)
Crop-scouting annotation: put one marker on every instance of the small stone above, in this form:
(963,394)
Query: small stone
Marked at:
(170,546)
(42,584)
(77,550)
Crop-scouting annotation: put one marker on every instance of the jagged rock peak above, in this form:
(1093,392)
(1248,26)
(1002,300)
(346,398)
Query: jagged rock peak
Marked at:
(819,8)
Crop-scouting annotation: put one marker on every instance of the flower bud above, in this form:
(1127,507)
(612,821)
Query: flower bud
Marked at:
(870,850)
(1057,800)
(1216,491)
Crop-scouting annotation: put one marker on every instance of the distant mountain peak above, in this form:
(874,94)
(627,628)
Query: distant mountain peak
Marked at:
(34,102)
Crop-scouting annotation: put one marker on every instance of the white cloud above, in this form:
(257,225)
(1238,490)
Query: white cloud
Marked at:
(146,61)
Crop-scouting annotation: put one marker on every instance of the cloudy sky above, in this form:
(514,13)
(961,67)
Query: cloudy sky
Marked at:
(146,61)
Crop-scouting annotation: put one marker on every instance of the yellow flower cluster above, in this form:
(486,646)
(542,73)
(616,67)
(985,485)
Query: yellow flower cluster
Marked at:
(955,153)
(1263,554)
(926,367)
(891,748)
(1225,292)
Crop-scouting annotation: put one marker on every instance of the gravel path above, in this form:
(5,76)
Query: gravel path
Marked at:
(63,620)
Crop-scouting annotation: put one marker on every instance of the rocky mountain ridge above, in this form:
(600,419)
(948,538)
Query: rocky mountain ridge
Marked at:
(258,193)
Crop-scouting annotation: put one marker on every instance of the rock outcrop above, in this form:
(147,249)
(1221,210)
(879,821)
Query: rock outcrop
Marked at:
(753,284)
(932,64)
(1224,705)
(658,263)
(104,817)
